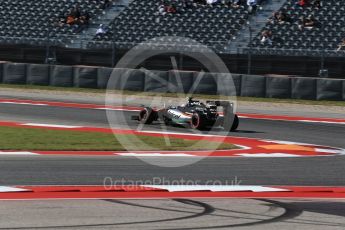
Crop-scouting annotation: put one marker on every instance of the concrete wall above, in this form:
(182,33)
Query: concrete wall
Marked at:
(174,81)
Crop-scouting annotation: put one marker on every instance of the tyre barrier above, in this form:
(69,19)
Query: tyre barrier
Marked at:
(206,83)
(227,84)
(329,89)
(154,81)
(133,80)
(61,76)
(303,88)
(237,81)
(1,70)
(253,86)
(180,81)
(37,74)
(103,75)
(85,77)
(14,73)
(173,81)
(278,87)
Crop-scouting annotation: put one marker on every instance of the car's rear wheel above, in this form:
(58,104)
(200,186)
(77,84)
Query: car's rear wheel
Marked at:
(235,123)
(147,116)
(230,123)
(197,121)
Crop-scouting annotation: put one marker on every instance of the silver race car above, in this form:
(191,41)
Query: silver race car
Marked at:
(194,114)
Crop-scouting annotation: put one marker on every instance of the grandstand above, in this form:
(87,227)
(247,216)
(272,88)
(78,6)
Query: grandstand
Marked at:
(33,31)
(288,37)
(212,25)
(34,22)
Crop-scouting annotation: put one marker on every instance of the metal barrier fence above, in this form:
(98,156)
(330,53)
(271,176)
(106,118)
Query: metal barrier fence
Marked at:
(51,44)
(229,47)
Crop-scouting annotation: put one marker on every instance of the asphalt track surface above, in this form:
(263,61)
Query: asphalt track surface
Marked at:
(176,213)
(172,214)
(92,170)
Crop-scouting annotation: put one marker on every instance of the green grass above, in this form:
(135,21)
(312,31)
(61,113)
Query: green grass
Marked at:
(292,101)
(28,139)
(52,88)
(200,96)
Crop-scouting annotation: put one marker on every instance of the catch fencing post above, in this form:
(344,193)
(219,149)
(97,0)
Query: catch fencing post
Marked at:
(250,50)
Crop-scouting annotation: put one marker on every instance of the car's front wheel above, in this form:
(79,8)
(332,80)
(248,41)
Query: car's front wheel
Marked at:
(147,116)
(197,121)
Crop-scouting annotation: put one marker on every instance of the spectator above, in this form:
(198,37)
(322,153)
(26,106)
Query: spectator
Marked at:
(341,45)
(76,13)
(317,4)
(274,17)
(280,17)
(164,9)
(161,9)
(101,30)
(236,3)
(211,1)
(62,20)
(307,23)
(82,22)
(73,15)
(70,20)
(106,4)
(84,18)
(303,2)
(170,9)
(266,37)
(252,5)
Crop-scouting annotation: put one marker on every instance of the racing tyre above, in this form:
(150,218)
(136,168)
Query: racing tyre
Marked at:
(228,126)
(166,120)
(147,116)
(197,122)
(235,123)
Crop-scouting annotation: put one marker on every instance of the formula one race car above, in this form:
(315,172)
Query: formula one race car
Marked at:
(193,114)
